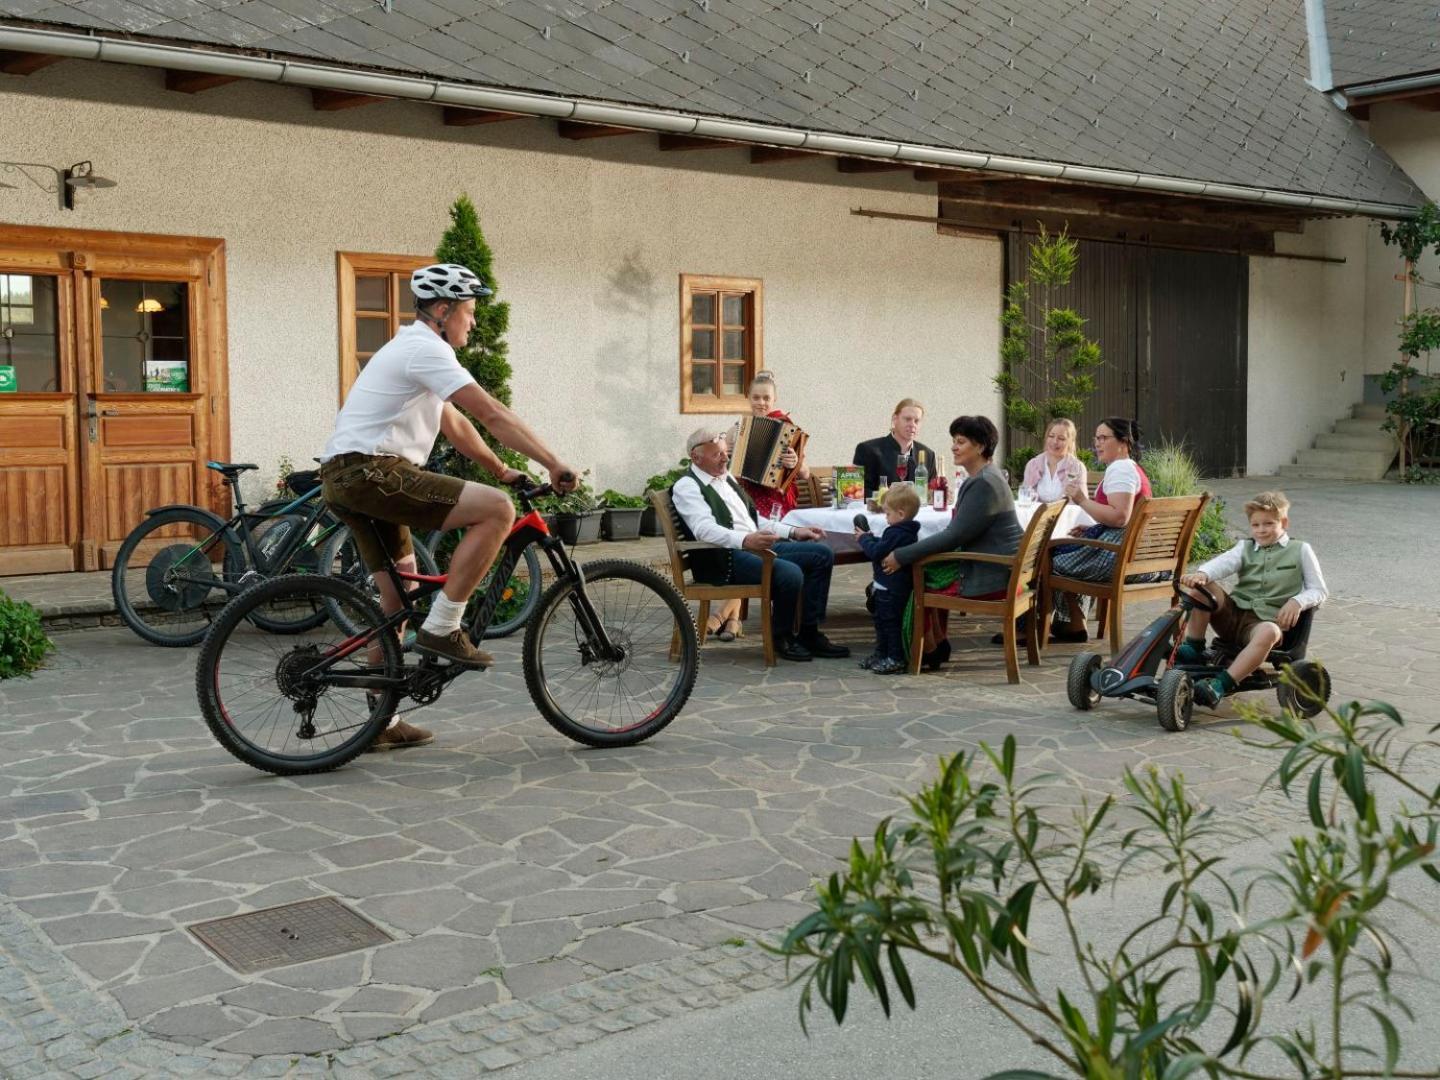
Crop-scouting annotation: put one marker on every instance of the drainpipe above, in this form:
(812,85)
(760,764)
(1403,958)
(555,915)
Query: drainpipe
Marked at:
(1319,36)
(82,46)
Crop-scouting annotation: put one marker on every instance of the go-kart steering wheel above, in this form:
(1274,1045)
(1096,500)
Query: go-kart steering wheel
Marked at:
(1207,603)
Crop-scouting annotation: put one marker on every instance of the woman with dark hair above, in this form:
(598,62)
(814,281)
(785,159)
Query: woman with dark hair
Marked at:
(1117,447)
(983,520)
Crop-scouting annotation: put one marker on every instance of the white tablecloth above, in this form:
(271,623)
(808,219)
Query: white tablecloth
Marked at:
(931,521)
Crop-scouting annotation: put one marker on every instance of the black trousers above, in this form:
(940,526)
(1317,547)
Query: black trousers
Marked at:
(889,622)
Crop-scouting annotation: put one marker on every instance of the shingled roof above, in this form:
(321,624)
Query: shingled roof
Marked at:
(1373,40)
(1209,90)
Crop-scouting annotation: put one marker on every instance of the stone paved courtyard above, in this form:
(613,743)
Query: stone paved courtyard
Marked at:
(540,895)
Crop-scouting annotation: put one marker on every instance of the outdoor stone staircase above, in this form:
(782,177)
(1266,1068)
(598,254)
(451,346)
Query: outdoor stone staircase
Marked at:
(1358,449)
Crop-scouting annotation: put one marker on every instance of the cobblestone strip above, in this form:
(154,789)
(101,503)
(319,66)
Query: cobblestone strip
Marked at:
(51,1025)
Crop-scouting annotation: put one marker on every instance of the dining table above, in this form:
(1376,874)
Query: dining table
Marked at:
(839,523)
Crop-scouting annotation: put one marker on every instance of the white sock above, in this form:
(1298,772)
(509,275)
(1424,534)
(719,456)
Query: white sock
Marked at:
(444,617)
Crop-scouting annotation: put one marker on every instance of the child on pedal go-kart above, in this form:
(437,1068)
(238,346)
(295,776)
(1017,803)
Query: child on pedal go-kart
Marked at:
(1277,579)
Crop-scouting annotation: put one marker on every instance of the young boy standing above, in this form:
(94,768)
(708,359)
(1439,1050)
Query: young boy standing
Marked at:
(902,503)
(1277,579)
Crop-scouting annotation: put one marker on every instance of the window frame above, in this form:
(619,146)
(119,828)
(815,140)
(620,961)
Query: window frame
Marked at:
(348,266)
(754,291)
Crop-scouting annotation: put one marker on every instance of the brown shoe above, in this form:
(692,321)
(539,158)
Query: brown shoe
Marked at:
(454,646)
(399,735)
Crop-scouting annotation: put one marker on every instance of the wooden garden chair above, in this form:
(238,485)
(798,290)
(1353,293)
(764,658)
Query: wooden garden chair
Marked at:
(1021,594)
(1157,538)
(680,552)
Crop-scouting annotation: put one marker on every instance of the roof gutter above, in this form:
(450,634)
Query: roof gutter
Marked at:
(85,46)
(1357,94)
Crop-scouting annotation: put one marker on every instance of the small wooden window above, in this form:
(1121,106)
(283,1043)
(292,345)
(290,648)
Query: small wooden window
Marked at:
(375,301)
(721,341)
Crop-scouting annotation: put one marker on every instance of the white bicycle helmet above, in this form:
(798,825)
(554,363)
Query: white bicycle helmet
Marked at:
(447,281)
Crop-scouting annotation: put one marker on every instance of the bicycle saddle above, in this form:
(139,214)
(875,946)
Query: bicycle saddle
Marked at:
(226,468)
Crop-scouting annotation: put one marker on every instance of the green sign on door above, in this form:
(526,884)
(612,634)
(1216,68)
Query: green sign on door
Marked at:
(8,383)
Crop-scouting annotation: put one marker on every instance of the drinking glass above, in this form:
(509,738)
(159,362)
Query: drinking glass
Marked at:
(902,466)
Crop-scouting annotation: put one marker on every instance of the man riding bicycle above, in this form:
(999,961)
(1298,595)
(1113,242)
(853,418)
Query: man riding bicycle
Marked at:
(406,394)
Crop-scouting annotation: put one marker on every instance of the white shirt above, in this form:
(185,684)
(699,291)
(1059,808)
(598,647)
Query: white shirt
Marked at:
(395,405)
(690,504)
(1314,592)
(1052,485)
(1121,478)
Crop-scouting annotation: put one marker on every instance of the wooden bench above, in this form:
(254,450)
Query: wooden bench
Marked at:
(1021,595)
(680,553)
(1156,539)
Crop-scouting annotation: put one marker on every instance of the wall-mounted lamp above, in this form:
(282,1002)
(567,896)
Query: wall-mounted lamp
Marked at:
(80,175)
(149,306)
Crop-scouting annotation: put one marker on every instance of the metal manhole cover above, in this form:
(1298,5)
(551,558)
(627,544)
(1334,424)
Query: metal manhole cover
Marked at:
(288,934)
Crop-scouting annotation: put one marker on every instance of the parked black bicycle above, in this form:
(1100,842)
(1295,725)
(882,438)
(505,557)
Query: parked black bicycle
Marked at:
(198,562)
(610,658)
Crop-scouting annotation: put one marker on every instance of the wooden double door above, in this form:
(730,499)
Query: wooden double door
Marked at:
(112,388)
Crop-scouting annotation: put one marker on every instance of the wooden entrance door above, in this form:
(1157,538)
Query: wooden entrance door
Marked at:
(140,402)
(39,448)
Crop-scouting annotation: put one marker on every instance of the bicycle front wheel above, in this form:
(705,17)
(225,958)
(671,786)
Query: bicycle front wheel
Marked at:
(301,704)
(172,601)
(522,592)
(618,700)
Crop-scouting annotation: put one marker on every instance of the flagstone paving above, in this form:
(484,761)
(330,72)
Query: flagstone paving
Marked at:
(539,894)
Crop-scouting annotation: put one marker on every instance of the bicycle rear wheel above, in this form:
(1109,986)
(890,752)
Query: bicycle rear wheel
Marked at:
(612,702)
(340,558)
(172,601)
(522,593)
(298,704)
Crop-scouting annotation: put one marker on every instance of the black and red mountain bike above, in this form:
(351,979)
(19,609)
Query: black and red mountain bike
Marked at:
(610,656)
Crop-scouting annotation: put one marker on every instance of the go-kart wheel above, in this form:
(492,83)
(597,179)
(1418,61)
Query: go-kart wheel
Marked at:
(1308,698)
(1174,700)
(1078,687)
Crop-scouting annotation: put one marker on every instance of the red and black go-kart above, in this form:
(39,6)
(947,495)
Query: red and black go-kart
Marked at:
(1135,673)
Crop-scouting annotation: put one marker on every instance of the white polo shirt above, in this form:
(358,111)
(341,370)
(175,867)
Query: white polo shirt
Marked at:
(395,405)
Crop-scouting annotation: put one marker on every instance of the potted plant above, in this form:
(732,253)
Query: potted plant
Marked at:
(649,525)
(575,517)
(622,515)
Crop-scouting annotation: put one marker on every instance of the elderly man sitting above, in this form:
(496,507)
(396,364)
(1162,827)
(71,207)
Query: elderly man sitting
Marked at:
(713,508)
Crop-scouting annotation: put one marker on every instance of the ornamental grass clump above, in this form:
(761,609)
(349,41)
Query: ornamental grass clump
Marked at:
(23,644)
(1172,471)
(1180,990)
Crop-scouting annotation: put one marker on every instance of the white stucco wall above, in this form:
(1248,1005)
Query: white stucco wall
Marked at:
(1306,341)
(1412,137)
(589,241)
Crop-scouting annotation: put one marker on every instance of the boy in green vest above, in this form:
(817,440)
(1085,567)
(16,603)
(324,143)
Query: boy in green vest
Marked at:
(1277,579)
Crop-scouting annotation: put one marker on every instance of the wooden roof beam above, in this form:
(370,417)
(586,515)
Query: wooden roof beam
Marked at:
(455,117)
(1029,198)
(927,174)
(574,129)
(763,155)
(671,141)
(335,100)
(194,82)
(25,63)
(1133,230)
(865,165)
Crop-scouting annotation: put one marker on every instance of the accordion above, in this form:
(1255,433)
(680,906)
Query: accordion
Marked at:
(758,446)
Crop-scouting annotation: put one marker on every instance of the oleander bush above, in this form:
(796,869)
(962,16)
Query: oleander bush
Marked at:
(1183,991)
(23,643)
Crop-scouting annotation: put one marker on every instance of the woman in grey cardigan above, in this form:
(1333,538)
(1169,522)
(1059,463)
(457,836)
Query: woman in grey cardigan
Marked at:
(984,521)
